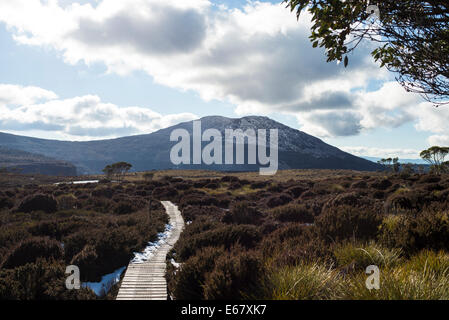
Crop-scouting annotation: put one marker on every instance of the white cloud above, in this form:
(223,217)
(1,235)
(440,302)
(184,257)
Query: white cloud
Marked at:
(15,95)
(431,118)
(439,140)
(342,113)
(79,118)
(344,123)
(390,106)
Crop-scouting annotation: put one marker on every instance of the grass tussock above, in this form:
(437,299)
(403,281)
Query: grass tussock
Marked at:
(304,282)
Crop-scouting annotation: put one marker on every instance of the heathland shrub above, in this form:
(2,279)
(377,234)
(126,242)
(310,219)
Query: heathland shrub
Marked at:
(428,230)
(182,186)
(10,193)
(188,282)
(242,213)
(235,276)
(42,280)
(292,244)
(53,229)
(293,213)
(103,192)
(38,202)
(353,199)
(74,243)
(399,201)
(6,203)
(279,200)
(230,179)
(378,194)
(347,222)
(381,184)
(66,202)
(201,183)
(115,247)
(296,191)
(124,207)
(429,178)
(191,213)
(164,193)
(86,260)
(259,184)
(29,250)
(212,185)
(235,185)
(202,199)
(359,185)
(227,236)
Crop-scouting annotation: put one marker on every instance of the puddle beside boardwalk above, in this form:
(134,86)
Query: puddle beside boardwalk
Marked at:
(106,282)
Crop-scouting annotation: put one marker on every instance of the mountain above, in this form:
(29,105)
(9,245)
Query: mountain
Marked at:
(297,150)
(32,163)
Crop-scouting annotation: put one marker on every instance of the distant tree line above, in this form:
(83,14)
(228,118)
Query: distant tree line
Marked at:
(117,170)
(435,156)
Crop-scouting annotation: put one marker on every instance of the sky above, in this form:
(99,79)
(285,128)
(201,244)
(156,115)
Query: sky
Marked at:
(88,70)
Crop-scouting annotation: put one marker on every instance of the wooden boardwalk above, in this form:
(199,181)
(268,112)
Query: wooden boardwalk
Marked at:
(146,281)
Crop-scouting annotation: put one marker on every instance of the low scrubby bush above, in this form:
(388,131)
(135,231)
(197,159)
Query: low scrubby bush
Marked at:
(125,207)
(296,191)
(279,200)
(188,282)
(227,236)
(428,230)
(242,213)
(164,193)
(293,213)
(87,261)
(236,276)
(29,250)
(38,202)
(42,280)
(6,203)
(346,222)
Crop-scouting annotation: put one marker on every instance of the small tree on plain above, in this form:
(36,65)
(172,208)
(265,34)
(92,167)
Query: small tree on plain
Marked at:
(435,156)
(118,170)
(108,171)
(390,164)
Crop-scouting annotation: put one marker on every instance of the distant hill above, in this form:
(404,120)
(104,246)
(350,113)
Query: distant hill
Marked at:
(31,163)
(297,150)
